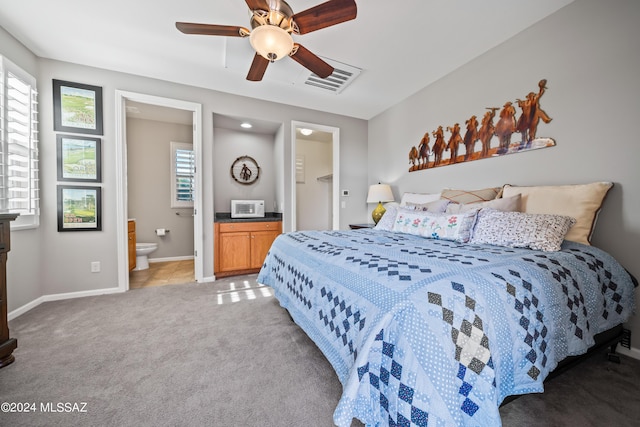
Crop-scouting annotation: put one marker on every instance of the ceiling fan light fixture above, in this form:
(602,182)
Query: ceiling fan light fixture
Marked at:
(271,42)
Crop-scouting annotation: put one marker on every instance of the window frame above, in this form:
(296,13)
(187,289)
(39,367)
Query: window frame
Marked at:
(31,219)
(175,203)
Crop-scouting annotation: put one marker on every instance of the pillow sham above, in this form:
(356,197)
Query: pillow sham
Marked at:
(437,206)
(582,202)
(456,227)
(505,204)
(388,218)
(470,196)
(418,198)
(543,232)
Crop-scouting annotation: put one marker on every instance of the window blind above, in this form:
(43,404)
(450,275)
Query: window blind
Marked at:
(184,169)
(19,175)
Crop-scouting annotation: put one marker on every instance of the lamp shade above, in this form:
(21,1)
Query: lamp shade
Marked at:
(271,42)
(380,193)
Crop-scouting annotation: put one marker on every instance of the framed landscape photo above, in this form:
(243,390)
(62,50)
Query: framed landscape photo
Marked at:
(78,158)
(77,108)
(79,208)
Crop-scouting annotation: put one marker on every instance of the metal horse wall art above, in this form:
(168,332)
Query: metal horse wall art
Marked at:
(526,125)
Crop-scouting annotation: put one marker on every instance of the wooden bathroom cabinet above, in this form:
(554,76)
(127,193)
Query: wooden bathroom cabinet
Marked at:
(132,244)
(241,247)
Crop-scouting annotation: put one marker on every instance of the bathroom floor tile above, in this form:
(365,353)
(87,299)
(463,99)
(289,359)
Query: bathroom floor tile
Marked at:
(163,273)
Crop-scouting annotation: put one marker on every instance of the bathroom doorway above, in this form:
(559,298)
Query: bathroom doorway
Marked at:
(148,126)
(316,169)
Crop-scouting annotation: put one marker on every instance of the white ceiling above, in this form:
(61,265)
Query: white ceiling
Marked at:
(400,46)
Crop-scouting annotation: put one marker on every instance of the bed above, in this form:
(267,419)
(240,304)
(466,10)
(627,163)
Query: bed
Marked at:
(433,330)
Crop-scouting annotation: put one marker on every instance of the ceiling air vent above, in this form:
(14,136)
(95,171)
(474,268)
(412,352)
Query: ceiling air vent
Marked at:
(342,77)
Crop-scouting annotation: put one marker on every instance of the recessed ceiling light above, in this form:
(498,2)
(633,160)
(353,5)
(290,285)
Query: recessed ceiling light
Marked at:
(246,125)
(306,132)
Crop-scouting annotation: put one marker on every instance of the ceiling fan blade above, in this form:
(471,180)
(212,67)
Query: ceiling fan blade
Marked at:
(212,30)
(311,61)
(325,15)
(258,67)
(258,4)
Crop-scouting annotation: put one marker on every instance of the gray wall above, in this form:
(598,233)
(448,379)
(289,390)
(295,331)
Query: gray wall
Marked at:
(44,262)
(228,146)
(588,53)
(23,272)
(149,186)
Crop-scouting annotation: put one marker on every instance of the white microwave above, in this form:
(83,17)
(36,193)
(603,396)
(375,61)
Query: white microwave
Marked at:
(247,208)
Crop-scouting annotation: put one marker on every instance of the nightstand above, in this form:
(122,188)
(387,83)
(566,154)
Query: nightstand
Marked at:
(356,226)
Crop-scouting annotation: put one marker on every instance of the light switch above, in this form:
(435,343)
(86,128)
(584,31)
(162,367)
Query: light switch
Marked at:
(95,266)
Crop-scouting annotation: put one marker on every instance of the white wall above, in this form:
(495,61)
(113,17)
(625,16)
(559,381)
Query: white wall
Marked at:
(149,186)
(23,274)
(313,196)
(588,53)
(44,262)
(228,146)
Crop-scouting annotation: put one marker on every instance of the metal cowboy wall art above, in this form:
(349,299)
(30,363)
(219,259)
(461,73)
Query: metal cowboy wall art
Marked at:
(495,140)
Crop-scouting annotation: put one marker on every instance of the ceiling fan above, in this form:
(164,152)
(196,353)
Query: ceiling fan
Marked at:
(272,23)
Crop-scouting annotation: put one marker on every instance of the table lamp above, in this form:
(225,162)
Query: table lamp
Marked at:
(379,193)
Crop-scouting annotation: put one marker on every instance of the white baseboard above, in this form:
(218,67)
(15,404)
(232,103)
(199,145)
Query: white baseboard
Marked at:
(22,310)
(633,352)
(173,258)
(68,295)
(56,297)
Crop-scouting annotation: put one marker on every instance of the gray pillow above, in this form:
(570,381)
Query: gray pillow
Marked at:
(388,219)
(437,206)
(544,232)
(505,204)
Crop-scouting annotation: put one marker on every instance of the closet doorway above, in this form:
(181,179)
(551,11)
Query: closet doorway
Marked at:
(128,99)
(315,177)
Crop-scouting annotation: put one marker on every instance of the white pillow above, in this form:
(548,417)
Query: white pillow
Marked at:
(544,232)
(418,198)
(455,227)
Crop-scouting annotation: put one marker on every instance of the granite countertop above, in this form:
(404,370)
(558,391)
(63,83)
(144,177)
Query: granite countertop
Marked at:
(268,216)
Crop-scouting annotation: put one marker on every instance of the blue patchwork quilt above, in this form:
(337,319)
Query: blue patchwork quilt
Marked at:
(426,332)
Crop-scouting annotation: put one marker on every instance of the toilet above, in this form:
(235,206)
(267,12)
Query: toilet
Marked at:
(142,252)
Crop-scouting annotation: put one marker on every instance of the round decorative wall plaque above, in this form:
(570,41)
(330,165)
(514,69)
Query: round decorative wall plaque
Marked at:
(245,170)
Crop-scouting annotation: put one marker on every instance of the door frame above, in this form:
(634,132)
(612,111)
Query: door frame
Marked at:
(121,178)
(336,170)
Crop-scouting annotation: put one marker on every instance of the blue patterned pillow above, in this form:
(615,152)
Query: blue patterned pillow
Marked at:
(455,227)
